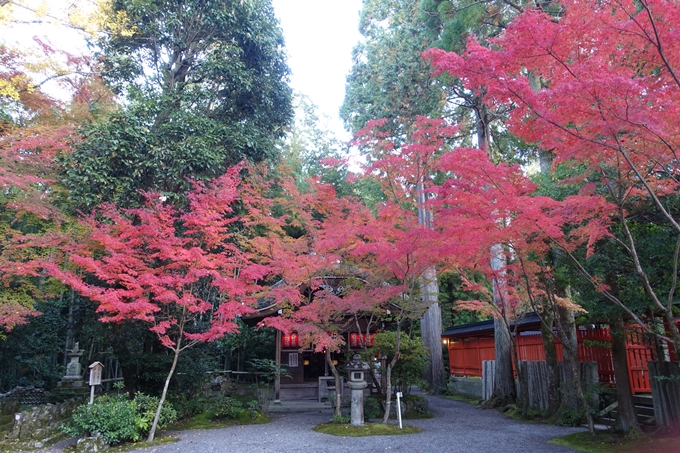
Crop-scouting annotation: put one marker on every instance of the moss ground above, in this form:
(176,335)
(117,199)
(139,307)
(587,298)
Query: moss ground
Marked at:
(369,429)
(205,421)
(464,397)
(605,442)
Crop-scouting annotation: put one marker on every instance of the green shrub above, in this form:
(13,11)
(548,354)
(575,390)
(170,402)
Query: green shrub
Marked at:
(226,407)
(372,408)
(146,411)
(112,417)
(570,417)
(340,419)
(117,419)
(412,363)
(188,406)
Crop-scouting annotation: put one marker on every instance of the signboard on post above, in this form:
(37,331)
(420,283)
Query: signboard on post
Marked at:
(96,373)
(95,377)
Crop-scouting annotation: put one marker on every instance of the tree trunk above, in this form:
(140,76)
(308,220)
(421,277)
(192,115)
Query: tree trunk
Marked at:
(674,331)
(504,391)
(431,330)
(570,358)
(523,397)
(338,384)
(627,420)
(431,322)
(388,375)
(152,432)
(553,366)
(572,389)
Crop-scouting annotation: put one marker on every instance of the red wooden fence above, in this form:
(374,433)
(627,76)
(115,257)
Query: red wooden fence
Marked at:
(639,351)
(594,345)
(466,356)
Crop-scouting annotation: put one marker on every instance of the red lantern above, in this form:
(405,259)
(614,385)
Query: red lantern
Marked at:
(354,339)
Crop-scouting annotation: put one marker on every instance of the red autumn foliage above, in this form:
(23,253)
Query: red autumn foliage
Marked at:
(609,86)
(167,267)
(600,87)
(487,209)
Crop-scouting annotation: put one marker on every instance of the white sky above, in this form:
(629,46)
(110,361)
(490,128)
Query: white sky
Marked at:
(320,35)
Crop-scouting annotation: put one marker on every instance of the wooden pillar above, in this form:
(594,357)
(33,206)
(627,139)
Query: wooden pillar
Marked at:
(277,381)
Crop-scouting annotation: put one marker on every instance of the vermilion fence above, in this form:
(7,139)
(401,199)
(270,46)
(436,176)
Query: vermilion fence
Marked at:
(466,356)
(594,345)
(639,351)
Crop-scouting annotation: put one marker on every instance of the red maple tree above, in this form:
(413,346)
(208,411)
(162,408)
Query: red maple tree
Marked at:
(598,87)
(180,271)
(378,259)
(35,128)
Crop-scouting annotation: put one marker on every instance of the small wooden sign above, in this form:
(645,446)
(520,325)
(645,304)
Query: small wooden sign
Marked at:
(96,373)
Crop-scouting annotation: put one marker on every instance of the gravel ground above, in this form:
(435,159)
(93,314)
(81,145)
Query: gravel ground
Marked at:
(456,427)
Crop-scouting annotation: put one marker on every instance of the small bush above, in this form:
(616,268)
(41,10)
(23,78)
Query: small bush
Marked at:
(570,418)
(117,419)
(146,411)
(372,408)
(226,407)
(187,406)
(340,419)
(112,417)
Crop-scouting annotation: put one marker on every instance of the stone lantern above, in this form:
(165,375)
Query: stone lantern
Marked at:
(357,384)
(73,378)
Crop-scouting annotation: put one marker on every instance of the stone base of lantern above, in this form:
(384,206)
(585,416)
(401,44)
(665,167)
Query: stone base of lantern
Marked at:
(357,413)
(71,382)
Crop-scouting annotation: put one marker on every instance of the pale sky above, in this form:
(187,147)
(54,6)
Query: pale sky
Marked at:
(320,35)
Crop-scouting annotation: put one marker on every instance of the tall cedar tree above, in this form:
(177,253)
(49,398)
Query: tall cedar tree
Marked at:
(404,169)
(390,80)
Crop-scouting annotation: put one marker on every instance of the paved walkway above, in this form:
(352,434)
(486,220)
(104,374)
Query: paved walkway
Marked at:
(456,427)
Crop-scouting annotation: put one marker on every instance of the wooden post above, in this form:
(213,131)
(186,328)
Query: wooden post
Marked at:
(665,393)
(488,369)
(277,380)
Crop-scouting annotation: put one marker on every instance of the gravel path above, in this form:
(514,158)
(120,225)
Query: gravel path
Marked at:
(456,427)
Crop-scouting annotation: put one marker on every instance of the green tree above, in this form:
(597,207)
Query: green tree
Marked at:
(312,150)
(205,86)
(389,78)
(413,358)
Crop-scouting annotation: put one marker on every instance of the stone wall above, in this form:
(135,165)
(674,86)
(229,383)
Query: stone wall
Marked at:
(39,427)
(468,385)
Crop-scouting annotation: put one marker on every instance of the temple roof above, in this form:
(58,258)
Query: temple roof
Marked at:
(486,327)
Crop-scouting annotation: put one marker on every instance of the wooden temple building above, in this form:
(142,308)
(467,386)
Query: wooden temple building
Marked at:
(309,373)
